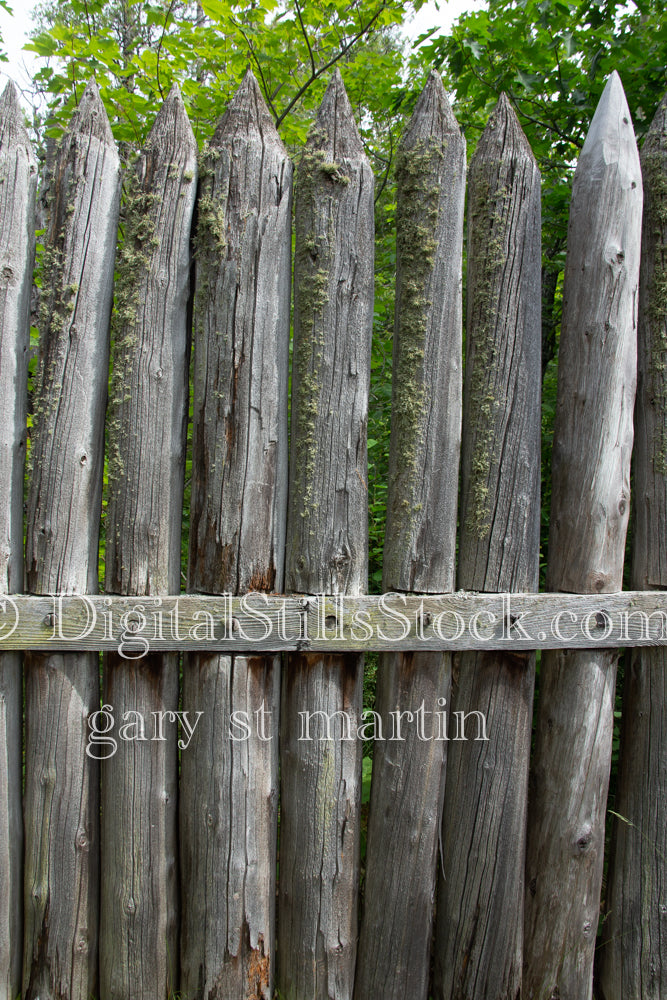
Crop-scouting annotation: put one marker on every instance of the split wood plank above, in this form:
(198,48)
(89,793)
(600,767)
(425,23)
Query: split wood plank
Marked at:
(335,623)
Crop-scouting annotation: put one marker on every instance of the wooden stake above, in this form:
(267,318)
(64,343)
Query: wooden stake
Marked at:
(146,439)
(61,797)
(327,550)
(229,782)
(420,549)
(634,955)
(589,515)
(484,814)
(18,182)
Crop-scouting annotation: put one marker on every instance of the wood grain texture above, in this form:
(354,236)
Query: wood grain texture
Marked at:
(419,549)
(327,549)
(239,487)
(597,357)
(68,423)
(229,785)
(18,181)
(146,435)
(420,540)
(335,623)
(327,528)
(149,390)
(229,815)
(591,480)
(480,895)
(61,800)
(634,955)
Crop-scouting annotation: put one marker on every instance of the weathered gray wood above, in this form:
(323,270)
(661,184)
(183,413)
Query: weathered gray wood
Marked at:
(480,894)
(327,549)
(229,786)
(419,549)
(146,434)
(589,512)
(420,545)
(18,181)
(11,825)
(634,956)
(61,799)
(328,624)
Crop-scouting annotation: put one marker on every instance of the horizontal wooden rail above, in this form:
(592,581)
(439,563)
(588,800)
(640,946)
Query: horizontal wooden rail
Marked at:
(261,622)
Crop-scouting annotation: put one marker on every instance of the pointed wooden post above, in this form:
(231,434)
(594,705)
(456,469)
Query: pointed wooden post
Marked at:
(419,550)
(634,955)
(589,515)
(146,435)
(327,551)
(61,801)
(480,895)
(229,778)
(18,182)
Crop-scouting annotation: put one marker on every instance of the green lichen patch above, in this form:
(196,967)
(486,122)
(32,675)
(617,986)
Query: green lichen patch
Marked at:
(655,221)
(311,297)
(315,164)
(418,171)
(488,256)
(57,305)
(320,182)
(211,232)
(210,241)
(140,209)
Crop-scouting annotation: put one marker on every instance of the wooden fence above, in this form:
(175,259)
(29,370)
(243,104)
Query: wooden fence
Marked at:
(150,864)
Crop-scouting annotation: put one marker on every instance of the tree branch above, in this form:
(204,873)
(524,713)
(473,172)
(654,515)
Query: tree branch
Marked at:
(386,173)
(305,35)
(159,47)
(332,62)
(253,54)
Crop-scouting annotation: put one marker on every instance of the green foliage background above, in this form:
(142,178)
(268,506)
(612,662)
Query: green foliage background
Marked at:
(551,57)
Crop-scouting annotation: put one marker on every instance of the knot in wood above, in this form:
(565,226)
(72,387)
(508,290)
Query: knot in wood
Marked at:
(584,840)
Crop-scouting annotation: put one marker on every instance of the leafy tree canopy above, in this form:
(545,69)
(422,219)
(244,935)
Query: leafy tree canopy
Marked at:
(552,58)
(3,55)
(138,48)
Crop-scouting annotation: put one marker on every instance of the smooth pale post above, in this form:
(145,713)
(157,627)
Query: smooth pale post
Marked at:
(633,957)
(589,515)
